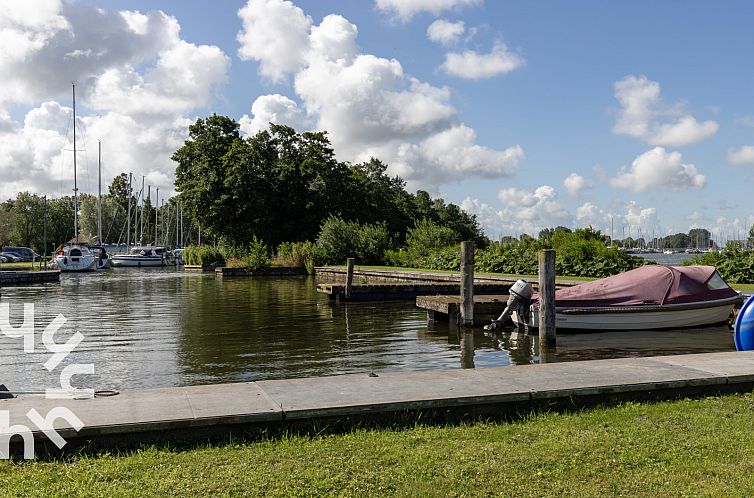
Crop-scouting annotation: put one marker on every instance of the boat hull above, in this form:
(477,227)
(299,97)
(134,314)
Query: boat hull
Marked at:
(76,264)
(639,317)
(127,261)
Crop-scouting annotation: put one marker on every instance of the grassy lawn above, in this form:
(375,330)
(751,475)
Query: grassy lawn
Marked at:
(700,447)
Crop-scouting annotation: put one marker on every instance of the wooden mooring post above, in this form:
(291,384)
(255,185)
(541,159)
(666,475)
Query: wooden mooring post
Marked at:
(546,300)
(349,277)
(467,283)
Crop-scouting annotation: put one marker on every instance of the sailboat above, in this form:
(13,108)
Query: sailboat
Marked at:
(75,256)
(103,260)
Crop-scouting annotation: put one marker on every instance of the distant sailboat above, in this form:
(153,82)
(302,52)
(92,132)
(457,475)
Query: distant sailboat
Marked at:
(75,256)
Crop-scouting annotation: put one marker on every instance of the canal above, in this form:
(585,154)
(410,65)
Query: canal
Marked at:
(163,328)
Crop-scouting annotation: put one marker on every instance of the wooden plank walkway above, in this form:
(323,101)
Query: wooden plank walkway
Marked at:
(154,415)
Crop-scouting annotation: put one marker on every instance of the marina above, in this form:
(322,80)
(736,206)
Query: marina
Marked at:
(156,328)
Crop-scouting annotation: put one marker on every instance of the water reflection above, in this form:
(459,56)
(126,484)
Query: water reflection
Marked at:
(158,328)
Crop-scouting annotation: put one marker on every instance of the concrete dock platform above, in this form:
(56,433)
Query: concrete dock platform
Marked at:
(154,415)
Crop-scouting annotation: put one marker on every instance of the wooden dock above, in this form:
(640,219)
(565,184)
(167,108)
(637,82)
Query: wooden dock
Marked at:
(447,308)
(14,278)
(405,291)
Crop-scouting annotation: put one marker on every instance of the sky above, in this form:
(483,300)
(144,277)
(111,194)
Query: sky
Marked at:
(636,118)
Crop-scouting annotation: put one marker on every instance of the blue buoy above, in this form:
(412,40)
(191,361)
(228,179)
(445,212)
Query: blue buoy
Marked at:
(744,332)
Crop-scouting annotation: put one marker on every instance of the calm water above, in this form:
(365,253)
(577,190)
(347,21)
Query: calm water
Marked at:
(160,328)
(675,259)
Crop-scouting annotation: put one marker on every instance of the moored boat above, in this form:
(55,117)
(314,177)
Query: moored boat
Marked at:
(75,257)
(144,257)
(647,298)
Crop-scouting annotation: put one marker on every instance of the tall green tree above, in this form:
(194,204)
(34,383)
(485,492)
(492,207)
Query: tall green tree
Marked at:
(202,175)
(28,213)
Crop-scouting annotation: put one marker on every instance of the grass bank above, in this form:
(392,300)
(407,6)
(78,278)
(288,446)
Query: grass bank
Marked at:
(688,447)
(739,287)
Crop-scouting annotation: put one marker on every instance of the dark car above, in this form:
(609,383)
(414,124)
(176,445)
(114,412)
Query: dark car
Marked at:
(10,257)
(25,253)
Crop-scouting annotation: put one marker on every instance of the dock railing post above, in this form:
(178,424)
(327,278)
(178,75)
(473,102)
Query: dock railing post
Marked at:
(546,299)
(349,277)
(467,283)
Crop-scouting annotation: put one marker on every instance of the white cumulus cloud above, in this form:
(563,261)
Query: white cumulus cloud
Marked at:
(658,168)
(473,65)
(743,156)
(275,33)
(276,109)
(367,104)
(137,82)
(445,32)
(643,115)
(575,184)
(405,10)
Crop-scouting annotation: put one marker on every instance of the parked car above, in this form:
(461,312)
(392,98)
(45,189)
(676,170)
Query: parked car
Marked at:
(3,259)
(25,253)
(10,257)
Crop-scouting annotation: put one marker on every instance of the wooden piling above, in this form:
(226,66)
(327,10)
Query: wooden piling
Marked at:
(546,299)
(349,277)
(467,284)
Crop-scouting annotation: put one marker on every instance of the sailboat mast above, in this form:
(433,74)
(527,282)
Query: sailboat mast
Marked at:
(99,192)
(128,223)
(156,209)
(75,184)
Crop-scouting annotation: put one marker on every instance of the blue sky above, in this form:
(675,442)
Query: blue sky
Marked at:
(644,106)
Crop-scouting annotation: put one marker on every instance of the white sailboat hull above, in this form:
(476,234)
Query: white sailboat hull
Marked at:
(76,263)
(639,317)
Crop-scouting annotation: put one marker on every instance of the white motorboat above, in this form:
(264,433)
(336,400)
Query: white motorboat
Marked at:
(647,298)
(76,257)
(144,257)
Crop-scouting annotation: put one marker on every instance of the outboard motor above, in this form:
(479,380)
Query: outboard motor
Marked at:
(519,301)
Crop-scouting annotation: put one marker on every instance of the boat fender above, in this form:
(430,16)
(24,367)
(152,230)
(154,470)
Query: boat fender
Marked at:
(743,334)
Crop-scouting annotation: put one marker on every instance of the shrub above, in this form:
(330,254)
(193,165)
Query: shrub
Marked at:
(427,236)
(735,265)
(339,239)
(257,257)
(296,254)
(202,255)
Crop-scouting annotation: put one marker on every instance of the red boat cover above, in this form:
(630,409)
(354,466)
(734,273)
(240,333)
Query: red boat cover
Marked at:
(649,284)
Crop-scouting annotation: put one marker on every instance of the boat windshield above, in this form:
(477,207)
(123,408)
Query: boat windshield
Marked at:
(716,282)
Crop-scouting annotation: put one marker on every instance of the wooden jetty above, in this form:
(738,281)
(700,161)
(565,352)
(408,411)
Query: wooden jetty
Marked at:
(272,271)
(194,413)
(448,308)
(405,291)
(14,278)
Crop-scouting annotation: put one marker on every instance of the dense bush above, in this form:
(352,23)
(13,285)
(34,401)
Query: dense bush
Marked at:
(580,253)
(339,239)
(202,255)
(255,257)
(735,265)
(427,237)
(297,255)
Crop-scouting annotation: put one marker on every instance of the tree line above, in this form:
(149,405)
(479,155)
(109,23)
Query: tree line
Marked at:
(281,186)
(28,218)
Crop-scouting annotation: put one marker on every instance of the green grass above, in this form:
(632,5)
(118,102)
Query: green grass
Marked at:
(700,447)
